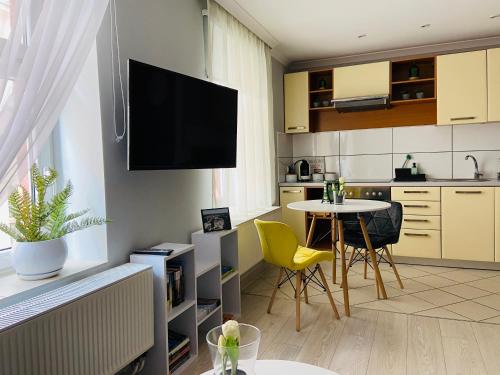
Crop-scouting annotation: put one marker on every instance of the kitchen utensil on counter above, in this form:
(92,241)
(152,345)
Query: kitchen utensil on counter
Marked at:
(302,170)
(290,178)
(317,177)
(331,176)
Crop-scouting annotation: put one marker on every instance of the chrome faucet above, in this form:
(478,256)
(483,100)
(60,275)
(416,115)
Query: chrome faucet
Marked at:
(477,174)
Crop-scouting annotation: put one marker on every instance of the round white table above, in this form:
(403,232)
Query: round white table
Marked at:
(315,207)
(273,367)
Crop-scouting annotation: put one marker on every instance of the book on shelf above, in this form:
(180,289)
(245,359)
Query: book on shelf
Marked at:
(179,350)
(226,270)
(205,306)
(175,284)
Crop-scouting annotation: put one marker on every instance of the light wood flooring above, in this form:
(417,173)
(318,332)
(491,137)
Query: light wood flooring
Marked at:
(371,341)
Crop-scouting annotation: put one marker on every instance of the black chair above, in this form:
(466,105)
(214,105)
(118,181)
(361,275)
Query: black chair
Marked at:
(383,229)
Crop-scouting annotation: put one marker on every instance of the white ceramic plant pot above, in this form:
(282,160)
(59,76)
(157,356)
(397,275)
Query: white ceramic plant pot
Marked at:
(39,260)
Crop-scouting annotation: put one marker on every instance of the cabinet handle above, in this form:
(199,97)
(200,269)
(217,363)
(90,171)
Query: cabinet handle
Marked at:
(291,191)
(415,191)
(468,192)
(416,205)
(417,234)
(416,220)
(462,118)
(296,128)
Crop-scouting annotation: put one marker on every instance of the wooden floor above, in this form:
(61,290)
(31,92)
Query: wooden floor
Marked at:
(370,341)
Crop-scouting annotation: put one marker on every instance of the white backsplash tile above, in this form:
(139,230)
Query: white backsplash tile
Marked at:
(326,143)
(303,145)
(486,160)
(434,165)
(429,138)
(366,141)
(284,145)
(476,137)
(332,164)
(366,167)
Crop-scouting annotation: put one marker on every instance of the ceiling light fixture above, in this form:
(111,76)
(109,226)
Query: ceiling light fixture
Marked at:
(495,16)
(425,25)
(362,36)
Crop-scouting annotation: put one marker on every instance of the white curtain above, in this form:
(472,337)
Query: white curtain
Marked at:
(238,58)
(39,65)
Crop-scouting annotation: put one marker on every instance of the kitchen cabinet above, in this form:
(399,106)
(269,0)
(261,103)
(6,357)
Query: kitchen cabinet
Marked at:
(420,234)
(296,92)
(296,219)
(493,56)
(497,224)
(462,88)
(361,80)
(468,223)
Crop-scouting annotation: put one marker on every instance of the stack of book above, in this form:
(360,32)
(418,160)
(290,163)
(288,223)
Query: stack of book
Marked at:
(178,350)
(175,284)
(205,306)
(226,270)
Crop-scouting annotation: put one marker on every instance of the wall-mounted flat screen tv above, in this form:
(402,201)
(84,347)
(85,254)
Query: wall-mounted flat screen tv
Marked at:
(179,122)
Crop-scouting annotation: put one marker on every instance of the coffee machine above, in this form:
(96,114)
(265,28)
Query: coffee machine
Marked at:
(302,170)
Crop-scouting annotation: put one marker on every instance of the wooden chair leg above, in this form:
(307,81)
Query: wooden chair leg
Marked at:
(334,250)
(297,300)
(393,265)
(349,264)
(366,264)
(306,297)
(328,293)
(275,290)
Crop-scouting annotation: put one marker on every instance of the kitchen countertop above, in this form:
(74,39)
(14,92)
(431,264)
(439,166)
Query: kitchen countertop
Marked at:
(429,182)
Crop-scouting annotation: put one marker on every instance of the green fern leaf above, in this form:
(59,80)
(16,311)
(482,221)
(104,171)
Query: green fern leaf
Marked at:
(12,232)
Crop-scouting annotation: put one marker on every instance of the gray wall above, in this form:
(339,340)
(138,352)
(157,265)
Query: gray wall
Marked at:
(152,206)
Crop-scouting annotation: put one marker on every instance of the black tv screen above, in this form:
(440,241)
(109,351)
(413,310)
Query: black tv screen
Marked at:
(179,122)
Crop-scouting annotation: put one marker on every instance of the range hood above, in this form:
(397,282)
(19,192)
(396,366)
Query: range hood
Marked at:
(362,103)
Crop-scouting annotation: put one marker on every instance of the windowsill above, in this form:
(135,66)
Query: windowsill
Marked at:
(14,290)
(241,219)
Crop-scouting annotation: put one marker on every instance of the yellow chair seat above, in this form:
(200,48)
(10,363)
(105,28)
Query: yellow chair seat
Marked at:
(304,257)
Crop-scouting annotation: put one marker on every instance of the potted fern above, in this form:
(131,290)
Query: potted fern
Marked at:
(39,226)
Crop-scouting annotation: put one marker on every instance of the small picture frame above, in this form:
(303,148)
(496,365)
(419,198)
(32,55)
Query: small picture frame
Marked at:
(215,219)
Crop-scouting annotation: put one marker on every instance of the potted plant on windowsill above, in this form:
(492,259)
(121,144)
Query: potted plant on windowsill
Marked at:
(39,226)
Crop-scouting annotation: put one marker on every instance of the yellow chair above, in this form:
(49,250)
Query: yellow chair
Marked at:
(280,247)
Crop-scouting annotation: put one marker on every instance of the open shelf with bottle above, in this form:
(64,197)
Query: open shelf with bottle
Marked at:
(320,89)
(413,81)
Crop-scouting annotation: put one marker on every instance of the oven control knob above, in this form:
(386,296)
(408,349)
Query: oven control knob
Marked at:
(379,193)
(374,194)
(367,193)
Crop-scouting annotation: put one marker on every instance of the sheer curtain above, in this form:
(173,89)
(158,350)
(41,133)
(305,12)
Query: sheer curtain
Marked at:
(39,65)
(238,58)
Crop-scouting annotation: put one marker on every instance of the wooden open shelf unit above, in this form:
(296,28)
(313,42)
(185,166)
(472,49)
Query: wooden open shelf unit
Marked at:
(318,92)
(401,82)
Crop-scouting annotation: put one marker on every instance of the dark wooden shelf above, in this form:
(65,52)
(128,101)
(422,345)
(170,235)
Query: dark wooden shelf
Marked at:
(413,101)
(320,108)
(413,81)
(320,91)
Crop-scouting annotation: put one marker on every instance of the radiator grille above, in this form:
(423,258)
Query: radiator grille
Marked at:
(93,326)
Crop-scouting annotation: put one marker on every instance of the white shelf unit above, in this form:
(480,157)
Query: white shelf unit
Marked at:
(214,250)
(182,318)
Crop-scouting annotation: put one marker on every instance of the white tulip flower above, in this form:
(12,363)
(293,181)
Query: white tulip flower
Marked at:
(231,329)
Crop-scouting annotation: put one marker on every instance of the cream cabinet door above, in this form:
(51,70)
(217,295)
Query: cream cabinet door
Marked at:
(461,88)
(296,91)
(361,80)
(468,223)
(296,219)
(493,84)
(418,243)
(497,224)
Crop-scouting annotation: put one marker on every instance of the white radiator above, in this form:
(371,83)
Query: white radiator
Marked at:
(93,326)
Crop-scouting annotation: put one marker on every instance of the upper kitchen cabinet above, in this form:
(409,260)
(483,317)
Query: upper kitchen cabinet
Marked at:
(462,88)
(296,92)
(362,80)
(493,84)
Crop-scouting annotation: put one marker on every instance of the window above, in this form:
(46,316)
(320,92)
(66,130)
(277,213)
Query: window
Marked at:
(4,19)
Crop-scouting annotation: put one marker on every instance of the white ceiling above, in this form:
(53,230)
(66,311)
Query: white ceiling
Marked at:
(312,29)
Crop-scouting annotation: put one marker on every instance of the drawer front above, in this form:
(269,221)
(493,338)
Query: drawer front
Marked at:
(418,243)
(421,208)
(421,222)
(416,193)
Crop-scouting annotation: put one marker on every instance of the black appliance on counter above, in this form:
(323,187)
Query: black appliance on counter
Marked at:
(302,169)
